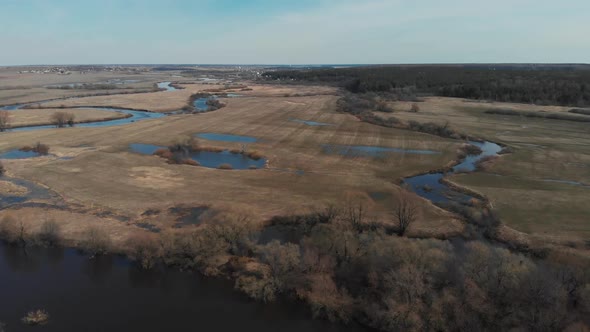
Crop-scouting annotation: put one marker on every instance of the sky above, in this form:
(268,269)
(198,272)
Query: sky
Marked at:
(293,32)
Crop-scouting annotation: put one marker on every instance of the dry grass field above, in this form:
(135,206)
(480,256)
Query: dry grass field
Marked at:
(37,117)
(517,184)
(103,174)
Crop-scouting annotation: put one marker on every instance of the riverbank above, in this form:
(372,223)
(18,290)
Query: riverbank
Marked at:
(43,117)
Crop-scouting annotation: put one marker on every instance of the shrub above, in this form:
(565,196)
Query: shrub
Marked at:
(163,153)
(144,249)
(41,148)
(191,162)
(50,233)
(4,120)
(95,241)
(225,166)
(211,149)
(470,149)
(485,162)
(13,231)
(184,145)
(36,317)
(2,169)
(415,108)
(61,119)
(254,155)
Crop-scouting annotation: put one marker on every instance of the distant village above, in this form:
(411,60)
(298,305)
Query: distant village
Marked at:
(81,69)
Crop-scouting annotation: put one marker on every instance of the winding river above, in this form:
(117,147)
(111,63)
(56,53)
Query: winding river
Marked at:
(133,115)
(431,187)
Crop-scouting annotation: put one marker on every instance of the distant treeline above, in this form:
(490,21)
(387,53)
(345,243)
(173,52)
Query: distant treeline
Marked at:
(561,85)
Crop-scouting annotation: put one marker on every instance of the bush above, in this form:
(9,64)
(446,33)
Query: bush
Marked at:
(415,108)
(95,241)
(36,317)
(2,169)
(61,119)
(191,162)
(144,249)
(254,155)
(4,120)
(13,231)
(50,233)
(225,166)
(184,145)
(163,153)
(41,148)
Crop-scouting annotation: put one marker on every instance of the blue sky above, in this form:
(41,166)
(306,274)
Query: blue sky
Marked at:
(293,32)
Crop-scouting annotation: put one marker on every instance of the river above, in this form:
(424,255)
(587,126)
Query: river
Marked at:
(109,293)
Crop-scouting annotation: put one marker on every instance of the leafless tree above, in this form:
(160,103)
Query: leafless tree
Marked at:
(61,119)
(4,120)
(405,212)
(355,212)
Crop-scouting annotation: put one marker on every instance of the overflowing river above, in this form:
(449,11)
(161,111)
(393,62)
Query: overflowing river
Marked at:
(110,294)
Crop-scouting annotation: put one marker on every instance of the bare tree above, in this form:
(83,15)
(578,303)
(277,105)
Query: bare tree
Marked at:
(405,212)
(61,119)
(355,212)
(96,241)
(4,120)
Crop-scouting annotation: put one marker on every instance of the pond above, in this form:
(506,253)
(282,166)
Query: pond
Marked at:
(200,104)
(227,138)
(18,154)
(167,86)
(109,293)
(209,159)
(370,151)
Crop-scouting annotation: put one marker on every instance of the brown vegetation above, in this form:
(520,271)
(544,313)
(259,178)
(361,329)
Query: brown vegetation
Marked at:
(50,233)
(13,231)
(4,120)
(225,166)
(36,317)
(2,169)
(96,241)
(40,148)
(61,119)
(405,212)
(145,249)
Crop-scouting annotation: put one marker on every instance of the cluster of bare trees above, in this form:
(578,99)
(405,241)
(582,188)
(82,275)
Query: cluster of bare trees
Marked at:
(347,267)
(16,231)
(62,119)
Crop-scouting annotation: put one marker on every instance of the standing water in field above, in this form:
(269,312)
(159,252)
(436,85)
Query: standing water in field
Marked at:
(167,86)
(209,159)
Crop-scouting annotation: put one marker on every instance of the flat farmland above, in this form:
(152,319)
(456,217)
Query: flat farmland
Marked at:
(543,182)
(300,176)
